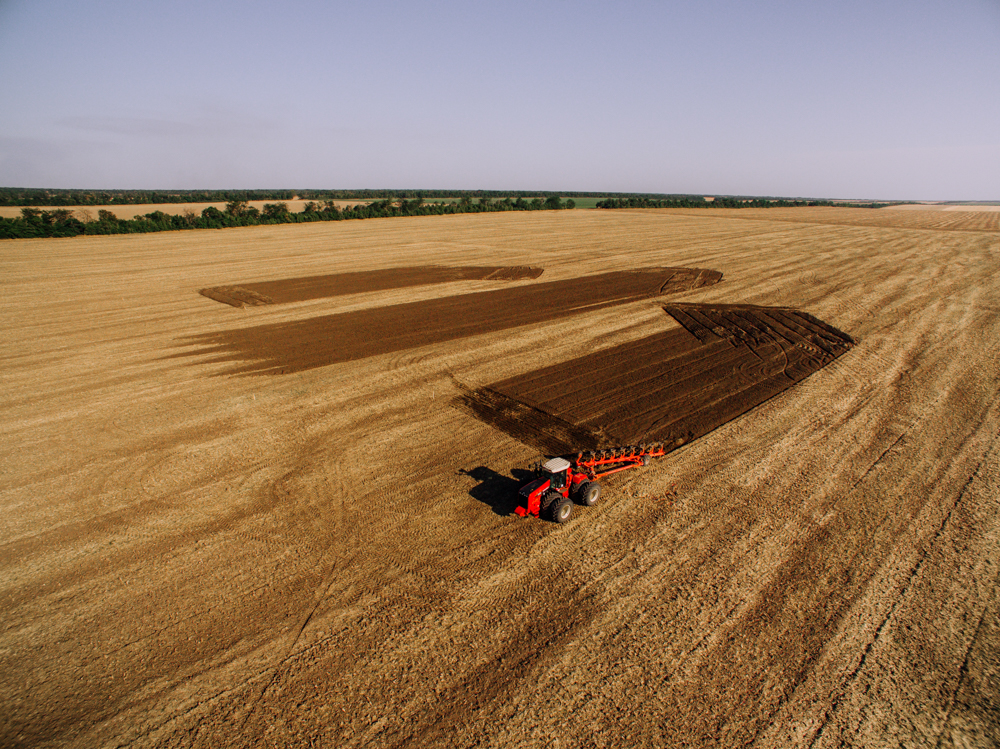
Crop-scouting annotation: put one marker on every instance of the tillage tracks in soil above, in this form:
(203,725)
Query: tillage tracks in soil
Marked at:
(305,288)
(286,347)
(671,387)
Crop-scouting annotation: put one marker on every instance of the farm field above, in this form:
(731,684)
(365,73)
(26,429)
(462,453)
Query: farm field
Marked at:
(580,202)
(89,212)
(962,208)
(257,484)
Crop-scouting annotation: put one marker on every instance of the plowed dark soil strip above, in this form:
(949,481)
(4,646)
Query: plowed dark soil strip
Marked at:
(281,348)
(548,433)
(671,387)
(338,284)
(641,375)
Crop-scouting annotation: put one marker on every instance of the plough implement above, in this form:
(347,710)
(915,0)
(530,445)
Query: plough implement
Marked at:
(562,482)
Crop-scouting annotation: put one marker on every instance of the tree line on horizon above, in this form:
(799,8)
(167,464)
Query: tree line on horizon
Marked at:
(20,196)
(61,222)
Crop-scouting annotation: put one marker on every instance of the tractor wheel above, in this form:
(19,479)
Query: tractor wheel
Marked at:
(589,493)
(546,503)
(560,510)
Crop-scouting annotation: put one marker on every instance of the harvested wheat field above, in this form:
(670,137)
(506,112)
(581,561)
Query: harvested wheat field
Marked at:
(257,484)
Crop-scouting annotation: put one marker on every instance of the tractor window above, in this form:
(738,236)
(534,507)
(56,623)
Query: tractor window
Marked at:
(558,480)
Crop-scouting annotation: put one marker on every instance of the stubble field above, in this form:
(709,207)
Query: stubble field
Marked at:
(257,484)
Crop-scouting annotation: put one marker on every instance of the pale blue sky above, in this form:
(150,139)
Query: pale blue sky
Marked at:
(895,100)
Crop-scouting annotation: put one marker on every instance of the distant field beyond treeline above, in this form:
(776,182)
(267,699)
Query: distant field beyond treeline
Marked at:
(35,223)
(21,196)
(33,213)
(133,210)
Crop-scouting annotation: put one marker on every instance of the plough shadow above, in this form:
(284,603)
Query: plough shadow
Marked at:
(496,490)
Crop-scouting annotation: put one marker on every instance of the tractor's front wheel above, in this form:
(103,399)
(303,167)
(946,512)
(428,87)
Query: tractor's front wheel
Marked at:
(560,510)
(546,501)
(555,507)
(588,493)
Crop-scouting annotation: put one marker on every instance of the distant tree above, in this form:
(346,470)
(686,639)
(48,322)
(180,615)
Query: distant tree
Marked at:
(275,211)
(236,207)
(107,216)
(571,203)
(155,221)
(552,203)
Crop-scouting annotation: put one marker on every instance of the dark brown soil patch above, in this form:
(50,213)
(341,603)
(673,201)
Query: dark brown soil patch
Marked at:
(281,348)
(671,387)
(236,296)
(305,288)
(548,433)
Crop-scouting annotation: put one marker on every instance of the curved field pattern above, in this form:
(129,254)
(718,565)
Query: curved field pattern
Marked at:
(270,525)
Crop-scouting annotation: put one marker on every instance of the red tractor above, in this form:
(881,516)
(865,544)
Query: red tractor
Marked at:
(561,482)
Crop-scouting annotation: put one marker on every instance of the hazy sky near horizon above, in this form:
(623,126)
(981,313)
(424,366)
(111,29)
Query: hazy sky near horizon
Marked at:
(891,99)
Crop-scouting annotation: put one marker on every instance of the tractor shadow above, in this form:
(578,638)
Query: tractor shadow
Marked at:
(496,490)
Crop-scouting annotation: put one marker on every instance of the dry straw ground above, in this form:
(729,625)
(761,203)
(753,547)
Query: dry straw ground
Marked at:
(198,552)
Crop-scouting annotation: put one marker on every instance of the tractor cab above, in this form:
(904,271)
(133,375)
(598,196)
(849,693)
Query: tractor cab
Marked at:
(557,472)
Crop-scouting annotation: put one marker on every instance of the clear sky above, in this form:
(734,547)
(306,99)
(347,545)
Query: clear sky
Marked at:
(895,99)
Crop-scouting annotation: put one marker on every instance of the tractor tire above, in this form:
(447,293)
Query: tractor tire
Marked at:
(546,502)
(560,510)
(588,493)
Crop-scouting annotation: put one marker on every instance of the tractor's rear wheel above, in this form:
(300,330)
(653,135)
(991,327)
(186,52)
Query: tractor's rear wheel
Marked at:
(588,493)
